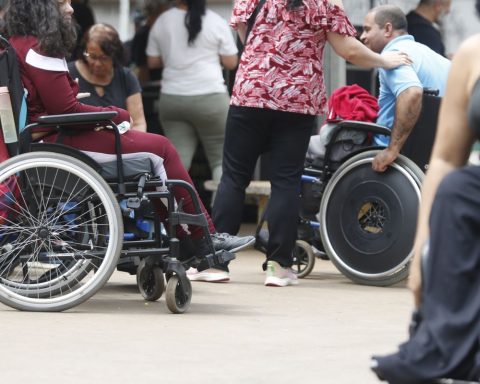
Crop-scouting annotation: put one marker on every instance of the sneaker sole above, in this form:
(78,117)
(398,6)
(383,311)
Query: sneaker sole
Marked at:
(210,278)
(273,281)
(243,246)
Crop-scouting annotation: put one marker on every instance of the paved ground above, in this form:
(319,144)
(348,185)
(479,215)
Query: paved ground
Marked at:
(322,331)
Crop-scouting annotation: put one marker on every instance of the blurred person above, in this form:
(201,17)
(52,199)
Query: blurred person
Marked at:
(401,89)
(444,274)
(279,90)
(151,10)
(424,22)
(191,44)
(3,4)
(41,49)
(84,18)
(100,73)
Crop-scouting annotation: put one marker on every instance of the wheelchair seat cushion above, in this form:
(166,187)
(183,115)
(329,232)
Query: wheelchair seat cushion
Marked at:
(133,168)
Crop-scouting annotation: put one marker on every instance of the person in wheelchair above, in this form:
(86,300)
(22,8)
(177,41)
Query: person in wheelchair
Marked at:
(445,274)
(42,34)
(400,99)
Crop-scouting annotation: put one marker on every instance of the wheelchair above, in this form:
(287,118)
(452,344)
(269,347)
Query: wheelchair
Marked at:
(67,222)
(363,221)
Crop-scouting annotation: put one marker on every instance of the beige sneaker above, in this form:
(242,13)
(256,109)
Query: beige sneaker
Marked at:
(277,276)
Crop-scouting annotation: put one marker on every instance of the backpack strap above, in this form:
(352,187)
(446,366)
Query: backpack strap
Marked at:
(253,17)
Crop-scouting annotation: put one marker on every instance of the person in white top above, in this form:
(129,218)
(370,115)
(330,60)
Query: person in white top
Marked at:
(192,44)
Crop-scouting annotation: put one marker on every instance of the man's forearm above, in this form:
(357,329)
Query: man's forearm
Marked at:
(407,112)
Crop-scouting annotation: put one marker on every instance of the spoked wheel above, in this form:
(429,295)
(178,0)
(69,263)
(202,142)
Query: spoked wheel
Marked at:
(150,281)
(303,259)
(368,219)
(178,294)
(60,232)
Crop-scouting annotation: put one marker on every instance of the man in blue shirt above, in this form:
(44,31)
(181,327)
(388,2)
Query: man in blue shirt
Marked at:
(401,89)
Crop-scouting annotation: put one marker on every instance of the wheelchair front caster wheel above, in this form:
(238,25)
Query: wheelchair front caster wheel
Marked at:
(178,294)
(150,281)
(303,259)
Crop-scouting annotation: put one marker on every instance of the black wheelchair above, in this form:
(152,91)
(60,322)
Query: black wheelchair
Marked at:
(67,222)
(363,221)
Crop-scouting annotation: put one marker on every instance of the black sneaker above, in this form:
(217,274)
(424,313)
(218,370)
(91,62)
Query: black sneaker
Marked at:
(224,241)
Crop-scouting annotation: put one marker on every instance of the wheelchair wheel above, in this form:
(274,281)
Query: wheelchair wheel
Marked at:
(178,295)
(368,219)
(303,259)
(61,232)
(150,281)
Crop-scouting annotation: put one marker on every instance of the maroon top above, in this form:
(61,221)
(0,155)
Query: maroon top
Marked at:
(51,90)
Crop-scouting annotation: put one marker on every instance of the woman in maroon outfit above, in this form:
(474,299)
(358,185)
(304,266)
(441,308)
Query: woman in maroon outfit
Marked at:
(42,33)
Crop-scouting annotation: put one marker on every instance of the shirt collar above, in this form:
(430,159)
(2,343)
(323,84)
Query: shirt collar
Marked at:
(396,40)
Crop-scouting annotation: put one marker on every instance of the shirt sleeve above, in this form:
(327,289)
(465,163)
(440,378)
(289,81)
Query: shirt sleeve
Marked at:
(227,42)
(400,79)
(242,10)
(332,18)
(50,84)
(132,83)
(153,44)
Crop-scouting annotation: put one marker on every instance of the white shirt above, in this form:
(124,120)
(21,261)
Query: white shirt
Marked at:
(196,69)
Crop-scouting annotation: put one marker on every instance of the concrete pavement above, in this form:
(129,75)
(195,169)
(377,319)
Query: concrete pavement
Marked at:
(321,331)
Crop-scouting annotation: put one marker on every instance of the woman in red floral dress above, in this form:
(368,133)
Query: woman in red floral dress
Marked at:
(279,89)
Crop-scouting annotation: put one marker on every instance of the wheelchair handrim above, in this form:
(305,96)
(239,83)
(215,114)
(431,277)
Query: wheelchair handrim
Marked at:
(328,245)
(42,159)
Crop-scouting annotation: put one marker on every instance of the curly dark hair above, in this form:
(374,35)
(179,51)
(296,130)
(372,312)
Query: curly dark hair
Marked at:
(107,39)
(43,19)
(193,18)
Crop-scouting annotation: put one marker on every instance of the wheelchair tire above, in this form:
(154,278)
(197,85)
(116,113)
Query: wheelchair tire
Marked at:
(178,295)
(368,219)
(303,259)
(150,281)
(63,237)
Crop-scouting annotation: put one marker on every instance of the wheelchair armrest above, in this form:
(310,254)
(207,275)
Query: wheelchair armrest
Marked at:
(77,118)
(364,126)
(431,91)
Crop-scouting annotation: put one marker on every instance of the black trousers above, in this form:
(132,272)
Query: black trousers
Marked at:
(447,340)
(251,132)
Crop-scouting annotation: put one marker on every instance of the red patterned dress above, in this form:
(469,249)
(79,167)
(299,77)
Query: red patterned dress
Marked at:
(281,67)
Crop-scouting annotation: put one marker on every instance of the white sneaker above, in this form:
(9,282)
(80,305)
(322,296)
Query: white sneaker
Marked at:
(277,276)
(210,275)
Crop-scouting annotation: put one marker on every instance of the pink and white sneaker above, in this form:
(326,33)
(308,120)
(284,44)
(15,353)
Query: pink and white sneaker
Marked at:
(210,275)
(277,276)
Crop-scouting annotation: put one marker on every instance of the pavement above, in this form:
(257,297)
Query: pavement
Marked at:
(322,331)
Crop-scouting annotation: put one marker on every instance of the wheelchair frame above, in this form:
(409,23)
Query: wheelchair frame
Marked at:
(61,226)
(371,252)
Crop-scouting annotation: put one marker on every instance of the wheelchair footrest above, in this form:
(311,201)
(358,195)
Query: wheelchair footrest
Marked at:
(218,258)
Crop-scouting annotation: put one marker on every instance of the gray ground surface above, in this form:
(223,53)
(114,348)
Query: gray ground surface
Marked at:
(321,331)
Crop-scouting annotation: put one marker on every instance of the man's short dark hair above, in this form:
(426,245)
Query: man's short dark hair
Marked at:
(390,14)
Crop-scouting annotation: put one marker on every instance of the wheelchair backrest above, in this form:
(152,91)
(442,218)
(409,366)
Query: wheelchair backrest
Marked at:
(10,78)
(419,144)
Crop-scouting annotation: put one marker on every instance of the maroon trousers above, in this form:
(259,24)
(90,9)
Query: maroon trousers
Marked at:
(103,141)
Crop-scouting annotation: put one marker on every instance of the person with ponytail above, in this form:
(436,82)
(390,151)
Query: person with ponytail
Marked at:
(192,44)
(279,89)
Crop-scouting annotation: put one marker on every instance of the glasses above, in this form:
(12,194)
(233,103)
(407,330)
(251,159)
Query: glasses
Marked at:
(102,58)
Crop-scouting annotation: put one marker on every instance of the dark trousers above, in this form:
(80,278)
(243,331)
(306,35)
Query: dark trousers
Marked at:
(447,341)
(251,132)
